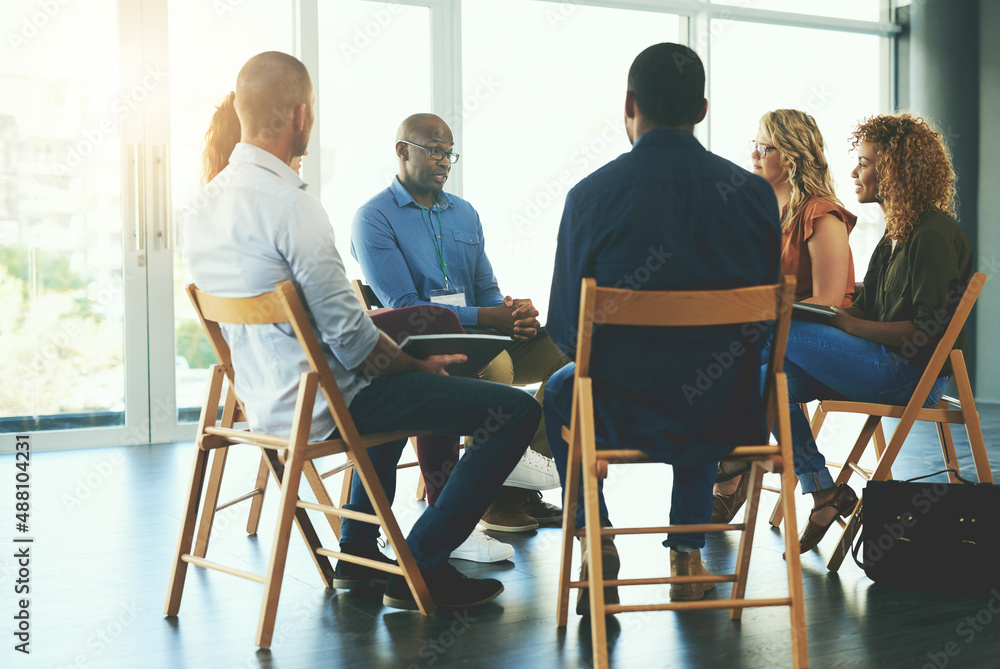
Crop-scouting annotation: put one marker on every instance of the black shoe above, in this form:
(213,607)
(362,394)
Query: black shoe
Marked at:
(543,512)
(348,575)
(449,588)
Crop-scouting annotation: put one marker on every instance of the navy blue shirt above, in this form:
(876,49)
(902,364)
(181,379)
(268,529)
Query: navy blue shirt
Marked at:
(669,215)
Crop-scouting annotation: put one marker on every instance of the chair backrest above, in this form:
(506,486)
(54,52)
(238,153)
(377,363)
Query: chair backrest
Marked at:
(282,305)
(943,349)
(621,306)
(366,295)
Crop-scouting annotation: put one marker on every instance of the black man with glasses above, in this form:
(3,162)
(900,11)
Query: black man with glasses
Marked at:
(418,244)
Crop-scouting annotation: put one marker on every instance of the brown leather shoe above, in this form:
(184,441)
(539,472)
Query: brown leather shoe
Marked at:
(724,507)
(506,513)
(543,512)
(610,564)
(688,564)
(844,500)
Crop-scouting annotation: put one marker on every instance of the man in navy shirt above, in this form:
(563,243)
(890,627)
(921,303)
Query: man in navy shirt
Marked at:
(668,215)
(417,244)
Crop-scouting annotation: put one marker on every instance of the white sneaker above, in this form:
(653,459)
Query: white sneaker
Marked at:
(481,547)
(534,472)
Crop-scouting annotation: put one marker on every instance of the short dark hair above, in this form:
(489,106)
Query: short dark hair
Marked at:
(667,82)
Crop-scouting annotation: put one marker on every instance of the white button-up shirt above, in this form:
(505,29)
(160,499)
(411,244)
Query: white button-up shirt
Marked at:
(254,226)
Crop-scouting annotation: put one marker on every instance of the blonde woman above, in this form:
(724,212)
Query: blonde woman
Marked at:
(788,151)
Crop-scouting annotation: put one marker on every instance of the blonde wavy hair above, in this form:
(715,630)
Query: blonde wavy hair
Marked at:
(221,138)
(801,150)
(913,171)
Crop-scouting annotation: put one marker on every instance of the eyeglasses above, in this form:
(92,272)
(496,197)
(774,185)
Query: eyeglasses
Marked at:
(761,149)
(435,153)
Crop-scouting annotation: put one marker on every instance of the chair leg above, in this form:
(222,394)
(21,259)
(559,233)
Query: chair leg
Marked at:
(948,447)
(316,483)
(846,540)
(971,416)
(304,524)
(569,525)
(179,569)
(879,438)
(421,488)
(797,612)
(592,523)
(871,424)
(257,503)
(345,487)
(211,502)
(746,538)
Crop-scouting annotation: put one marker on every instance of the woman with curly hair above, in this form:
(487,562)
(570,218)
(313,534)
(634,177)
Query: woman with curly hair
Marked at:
(877,349)
(788,151)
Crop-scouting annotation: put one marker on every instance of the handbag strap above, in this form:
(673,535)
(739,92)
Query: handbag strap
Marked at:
(953,471)
(856,548)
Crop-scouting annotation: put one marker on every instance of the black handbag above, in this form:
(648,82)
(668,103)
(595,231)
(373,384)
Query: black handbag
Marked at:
(931,535)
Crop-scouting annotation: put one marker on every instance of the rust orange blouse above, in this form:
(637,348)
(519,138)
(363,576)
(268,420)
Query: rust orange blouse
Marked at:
(795,254)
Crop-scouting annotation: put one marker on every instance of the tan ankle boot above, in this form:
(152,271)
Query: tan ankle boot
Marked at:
(609,568)
(688,564)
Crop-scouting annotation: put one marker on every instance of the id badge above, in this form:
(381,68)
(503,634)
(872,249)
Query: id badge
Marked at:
(453,298)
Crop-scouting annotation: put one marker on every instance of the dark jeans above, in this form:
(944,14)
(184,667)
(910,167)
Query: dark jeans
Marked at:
(437,454)
(691,497)
(501,421)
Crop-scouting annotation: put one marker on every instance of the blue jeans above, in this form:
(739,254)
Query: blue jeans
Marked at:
(691,497)
(823,362)
(501,421)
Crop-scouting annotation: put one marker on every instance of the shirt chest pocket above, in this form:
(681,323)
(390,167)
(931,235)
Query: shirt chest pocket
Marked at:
(465,241)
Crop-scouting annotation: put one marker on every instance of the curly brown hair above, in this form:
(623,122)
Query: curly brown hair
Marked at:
(221,138)
(913,170)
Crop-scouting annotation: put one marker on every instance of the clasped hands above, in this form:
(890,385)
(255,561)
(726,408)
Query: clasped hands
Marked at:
(515,317)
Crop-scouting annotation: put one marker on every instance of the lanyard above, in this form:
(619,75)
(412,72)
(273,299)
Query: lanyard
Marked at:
(438,243)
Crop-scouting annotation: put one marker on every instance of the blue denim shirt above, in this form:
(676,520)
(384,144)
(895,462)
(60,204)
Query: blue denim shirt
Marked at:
(394,239)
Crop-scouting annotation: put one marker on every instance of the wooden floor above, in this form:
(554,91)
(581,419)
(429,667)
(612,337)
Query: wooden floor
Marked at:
(105,524)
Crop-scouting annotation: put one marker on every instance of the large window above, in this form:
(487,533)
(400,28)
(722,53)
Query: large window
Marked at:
(541,112)
(101,133)
(830,75)
(374,71)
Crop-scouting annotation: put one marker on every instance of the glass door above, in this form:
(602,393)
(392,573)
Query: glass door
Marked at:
(72,275)
(205,46)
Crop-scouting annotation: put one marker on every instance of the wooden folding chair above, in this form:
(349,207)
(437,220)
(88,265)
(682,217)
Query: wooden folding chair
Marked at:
(963,413)
(366,295)
(686,308)
(369,300)
(816,424)
(286,458)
